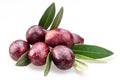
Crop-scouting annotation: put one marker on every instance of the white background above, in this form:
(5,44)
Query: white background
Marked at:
(98,21)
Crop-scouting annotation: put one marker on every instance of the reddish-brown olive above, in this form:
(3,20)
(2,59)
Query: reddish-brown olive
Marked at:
(38,53)
(77,39)
(59,37)
(17,48)
(63,57)
(35,34)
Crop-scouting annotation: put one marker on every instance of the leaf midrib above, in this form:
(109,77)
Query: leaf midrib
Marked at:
(59,15)
(48,17)
(87,51)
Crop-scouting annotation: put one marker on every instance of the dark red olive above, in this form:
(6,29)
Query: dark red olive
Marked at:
(38,53)
(17,48)
(63,57)
(59,37)
(35,34)
(77,39)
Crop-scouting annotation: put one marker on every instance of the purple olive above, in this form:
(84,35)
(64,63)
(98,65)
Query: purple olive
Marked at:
(59,37)
(17,48)
(38,53)
(63,57)
(77,39)
(35,34)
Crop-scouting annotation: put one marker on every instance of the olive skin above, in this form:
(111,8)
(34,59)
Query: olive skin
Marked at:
(38,53)
(18,48)
(77,39)
(59,37)
(35,34)
(63,57)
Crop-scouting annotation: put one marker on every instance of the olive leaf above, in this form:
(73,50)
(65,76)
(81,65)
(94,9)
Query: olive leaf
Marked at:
(47,17)
(79,66)
(91,51)
(23,60)
(47,65)
(57,19)
(78,56)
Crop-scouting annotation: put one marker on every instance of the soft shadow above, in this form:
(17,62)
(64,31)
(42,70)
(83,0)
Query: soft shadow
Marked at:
(54,69)
(36,68)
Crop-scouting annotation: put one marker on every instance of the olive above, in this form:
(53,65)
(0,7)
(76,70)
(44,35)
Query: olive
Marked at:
(59,37)
(38,53)
(77,39)
(63,57)
(35,34)
(17,48)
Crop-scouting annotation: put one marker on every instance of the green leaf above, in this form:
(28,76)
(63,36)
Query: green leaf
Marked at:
(47,17)
(79,66)
(57,19)
(91,51)
(47,65)
(78,56)
(23,60)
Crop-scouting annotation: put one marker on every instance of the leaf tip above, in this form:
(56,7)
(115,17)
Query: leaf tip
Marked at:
(16,64)
(45,74)
(80,66)
(53,4)
(62,8)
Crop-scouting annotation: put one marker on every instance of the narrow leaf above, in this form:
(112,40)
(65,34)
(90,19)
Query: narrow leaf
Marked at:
(79,66)
(47,17)
(23,60)
(57,19)
(91,51)
(78,56)
(47,65)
